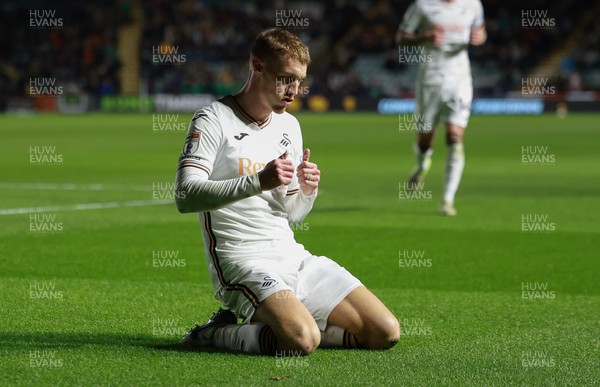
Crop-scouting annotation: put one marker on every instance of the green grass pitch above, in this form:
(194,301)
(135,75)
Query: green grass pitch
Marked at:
(99,286)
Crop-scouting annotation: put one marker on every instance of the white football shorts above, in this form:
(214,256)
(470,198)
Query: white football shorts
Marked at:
(254,271)
(449,102)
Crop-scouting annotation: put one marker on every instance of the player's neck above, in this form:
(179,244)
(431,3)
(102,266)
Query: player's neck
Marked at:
(252,104)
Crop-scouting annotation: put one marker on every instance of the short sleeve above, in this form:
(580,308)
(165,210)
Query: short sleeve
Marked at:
(412,19)
(478,19)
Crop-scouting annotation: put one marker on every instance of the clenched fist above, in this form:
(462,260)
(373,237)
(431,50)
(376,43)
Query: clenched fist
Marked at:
(276,173)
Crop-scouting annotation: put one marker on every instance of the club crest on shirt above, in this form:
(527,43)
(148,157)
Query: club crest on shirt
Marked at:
(192,142)
(286,140)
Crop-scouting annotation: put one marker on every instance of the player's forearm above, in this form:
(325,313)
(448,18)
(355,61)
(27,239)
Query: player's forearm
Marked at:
(194,194)
(298,206)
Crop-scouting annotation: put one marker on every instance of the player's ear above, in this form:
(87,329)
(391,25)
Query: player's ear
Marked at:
(257,65)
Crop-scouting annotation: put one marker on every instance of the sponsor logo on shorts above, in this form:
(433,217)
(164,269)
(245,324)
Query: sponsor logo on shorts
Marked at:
(268,283)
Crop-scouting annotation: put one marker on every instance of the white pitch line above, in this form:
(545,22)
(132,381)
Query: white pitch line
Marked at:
(75,187)
(85,206)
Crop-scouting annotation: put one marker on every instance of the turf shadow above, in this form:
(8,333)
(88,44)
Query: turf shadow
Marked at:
(40,340)
(72,340)
(178,347)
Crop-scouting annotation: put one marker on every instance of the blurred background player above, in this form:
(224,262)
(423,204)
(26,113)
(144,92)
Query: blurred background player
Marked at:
(444,90)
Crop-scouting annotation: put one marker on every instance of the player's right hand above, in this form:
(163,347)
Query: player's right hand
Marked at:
(276,173)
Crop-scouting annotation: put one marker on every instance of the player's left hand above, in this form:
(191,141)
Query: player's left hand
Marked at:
(478,36)
(308,174)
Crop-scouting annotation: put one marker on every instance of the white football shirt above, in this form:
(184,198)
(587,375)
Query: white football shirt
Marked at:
(225,143)
(450,61)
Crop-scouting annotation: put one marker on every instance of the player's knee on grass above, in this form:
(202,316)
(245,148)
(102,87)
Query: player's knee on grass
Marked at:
(384,334)
(302,339)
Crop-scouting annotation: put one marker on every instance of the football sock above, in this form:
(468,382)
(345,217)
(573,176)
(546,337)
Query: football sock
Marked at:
(255,338)
(259,339)
(336,337)
(423,157)
(455,164)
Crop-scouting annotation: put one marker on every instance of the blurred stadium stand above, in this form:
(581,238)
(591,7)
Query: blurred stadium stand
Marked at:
(105,49)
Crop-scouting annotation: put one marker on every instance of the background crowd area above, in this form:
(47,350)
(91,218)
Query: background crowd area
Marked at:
(352,46)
